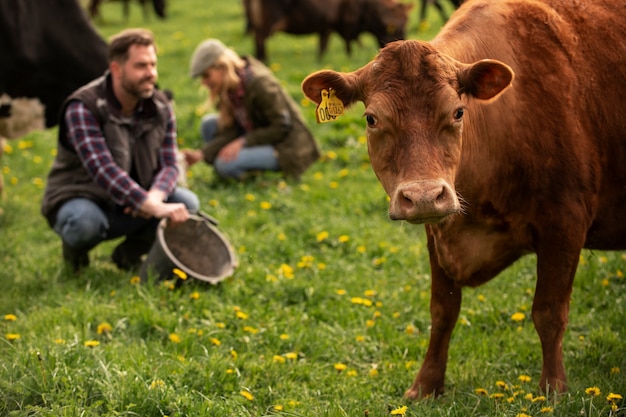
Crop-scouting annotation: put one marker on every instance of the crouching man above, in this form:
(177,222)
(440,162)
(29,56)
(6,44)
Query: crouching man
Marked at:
(115,170)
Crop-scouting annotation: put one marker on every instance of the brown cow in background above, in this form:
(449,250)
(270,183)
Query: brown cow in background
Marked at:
(539,170)
(385,19)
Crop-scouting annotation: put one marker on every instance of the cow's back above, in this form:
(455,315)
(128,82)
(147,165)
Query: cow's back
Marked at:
(560,129)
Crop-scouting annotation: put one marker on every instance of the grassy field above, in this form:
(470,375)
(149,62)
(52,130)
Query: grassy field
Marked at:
(327,314)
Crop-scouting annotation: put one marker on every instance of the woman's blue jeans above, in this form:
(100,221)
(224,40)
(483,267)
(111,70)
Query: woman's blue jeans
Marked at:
(262,157)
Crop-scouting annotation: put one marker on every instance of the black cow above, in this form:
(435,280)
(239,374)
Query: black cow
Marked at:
(48,49)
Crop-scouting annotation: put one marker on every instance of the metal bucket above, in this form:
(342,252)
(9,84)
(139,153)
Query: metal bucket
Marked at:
(195,247)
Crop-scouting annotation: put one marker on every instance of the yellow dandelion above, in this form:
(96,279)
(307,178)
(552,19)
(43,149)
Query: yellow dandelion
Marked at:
(333,184)
(38,182)
(180,273)
(524,378)
(593,391)
(615,370)
(59,341)
(215,341)
(234,354)
(373,372)
(321,236)
(91,343)
(12,336)
(214,203)
(361,249)
(174,338)
(282,236)
(546,409)
(502,385)
(157,383)
(370,323)
(279,359)
(271,278)
(340,367)
(496,396)
(539,398)
(250,329)
(360,338)
(305,187)
(481,391)
(613,397)
(10,317)
(104,328)
(266,205)
(522,415)
(370,293)
(250,197)
(605,282)
(286,271)
(241,315)
(352,373)
(318,176)
(291,355)
(331,155)
(284,336)
(518,316)
(399,411)
(194,295)
(340,292)
(343,238)
(135,280)
(220,325)
(278,407)
(247,395)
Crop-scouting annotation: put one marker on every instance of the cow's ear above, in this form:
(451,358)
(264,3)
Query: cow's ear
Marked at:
(485,79)
(345,86)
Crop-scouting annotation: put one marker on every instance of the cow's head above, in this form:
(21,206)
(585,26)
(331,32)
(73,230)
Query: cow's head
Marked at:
(415,103)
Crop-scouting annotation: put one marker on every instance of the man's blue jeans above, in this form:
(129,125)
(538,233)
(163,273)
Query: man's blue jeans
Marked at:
(262,157)
(82,224)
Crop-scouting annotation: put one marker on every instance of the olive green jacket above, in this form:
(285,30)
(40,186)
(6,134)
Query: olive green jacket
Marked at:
(276,121)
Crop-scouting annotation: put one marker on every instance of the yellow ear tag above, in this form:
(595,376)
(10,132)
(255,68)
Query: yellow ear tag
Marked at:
(329,108)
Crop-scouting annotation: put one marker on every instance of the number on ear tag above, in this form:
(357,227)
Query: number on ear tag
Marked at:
(329,108)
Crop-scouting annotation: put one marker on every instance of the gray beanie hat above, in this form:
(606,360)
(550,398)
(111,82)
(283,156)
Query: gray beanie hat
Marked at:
(205,55)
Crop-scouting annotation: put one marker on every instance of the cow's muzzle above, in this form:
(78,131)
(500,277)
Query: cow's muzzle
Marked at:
(428,201)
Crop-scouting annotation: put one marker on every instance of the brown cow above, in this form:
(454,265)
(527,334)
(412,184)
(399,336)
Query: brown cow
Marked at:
(385,19)
(541,169)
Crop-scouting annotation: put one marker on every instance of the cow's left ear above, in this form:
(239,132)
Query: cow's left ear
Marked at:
(485,79)
(345,86)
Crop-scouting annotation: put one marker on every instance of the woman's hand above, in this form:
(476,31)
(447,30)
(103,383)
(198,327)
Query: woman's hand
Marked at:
(231,150)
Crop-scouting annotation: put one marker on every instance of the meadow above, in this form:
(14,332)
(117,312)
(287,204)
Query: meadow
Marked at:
(326,315)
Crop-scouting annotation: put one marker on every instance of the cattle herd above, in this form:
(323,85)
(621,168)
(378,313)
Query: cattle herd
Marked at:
(503,135)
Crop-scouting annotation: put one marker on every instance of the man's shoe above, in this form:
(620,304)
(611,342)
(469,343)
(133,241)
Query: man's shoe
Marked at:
(124,260)
(77,259)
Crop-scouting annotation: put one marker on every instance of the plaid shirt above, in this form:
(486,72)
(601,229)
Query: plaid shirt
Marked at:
(85,136)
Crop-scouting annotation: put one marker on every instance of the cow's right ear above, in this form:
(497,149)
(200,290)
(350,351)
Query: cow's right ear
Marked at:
(485,79)
(345,86)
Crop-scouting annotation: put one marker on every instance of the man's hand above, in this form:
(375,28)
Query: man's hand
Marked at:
(154,206)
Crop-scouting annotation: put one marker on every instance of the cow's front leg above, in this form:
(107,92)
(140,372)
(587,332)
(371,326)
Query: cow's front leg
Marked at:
(445,305)
(555,276)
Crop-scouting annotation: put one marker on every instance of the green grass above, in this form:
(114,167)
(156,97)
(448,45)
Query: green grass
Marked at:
(296,307)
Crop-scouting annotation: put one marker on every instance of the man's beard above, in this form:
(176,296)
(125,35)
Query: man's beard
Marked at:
(135,90)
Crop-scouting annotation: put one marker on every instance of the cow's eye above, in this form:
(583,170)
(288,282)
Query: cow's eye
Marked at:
(458,114)
(371,120)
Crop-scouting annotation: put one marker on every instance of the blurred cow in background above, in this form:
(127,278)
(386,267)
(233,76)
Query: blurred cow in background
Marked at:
(48,49)
(158,5)
(385,19)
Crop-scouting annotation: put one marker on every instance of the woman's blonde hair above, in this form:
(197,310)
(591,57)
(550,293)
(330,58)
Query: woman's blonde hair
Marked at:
(229,61)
